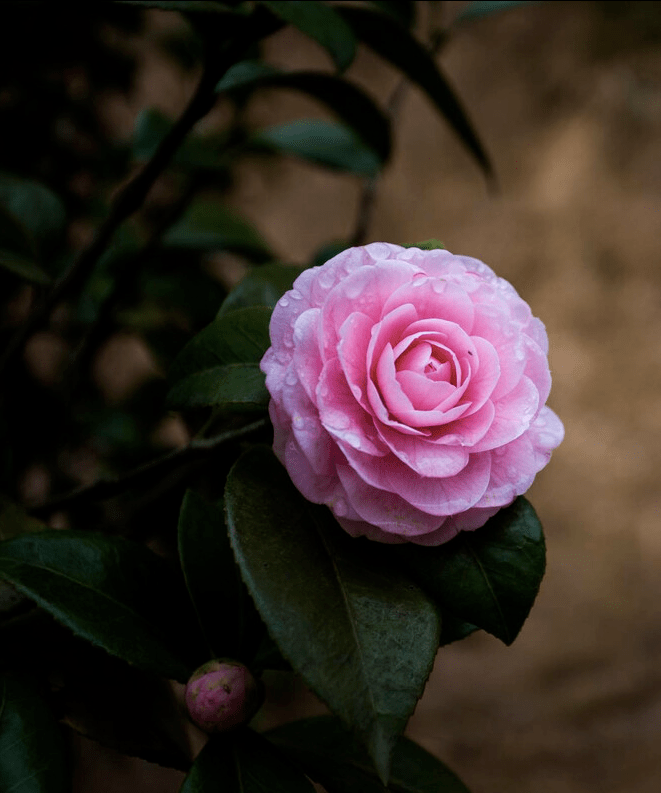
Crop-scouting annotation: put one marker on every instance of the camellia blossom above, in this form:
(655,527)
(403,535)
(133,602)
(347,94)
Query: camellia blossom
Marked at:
(408,392)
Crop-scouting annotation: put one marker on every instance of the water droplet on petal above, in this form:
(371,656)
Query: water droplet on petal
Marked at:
(439,285)
(290,378)
(284,301)
(295,295)
(325,279)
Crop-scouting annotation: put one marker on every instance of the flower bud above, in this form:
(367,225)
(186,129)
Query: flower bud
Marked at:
(222,694)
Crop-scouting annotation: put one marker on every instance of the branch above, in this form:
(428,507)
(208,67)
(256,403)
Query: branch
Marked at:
(125,204)
(104,489)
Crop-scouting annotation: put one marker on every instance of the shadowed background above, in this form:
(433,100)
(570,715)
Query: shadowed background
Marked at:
(566,96)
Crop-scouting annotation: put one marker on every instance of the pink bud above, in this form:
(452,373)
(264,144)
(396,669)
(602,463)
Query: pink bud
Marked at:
(222,694)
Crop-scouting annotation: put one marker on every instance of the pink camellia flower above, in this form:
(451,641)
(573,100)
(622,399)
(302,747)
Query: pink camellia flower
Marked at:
(408,392)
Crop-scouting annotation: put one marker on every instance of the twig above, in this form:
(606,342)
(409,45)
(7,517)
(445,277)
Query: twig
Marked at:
(104,489)
(367,199)
(126,203)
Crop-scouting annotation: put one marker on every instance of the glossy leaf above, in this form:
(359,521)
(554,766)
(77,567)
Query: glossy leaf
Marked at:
(483,8)
(243,762)
(321,142)
(350,103)
(488,577)
(322,23)
(32,748)
(395,44)
(329,755)
(226,613)
(234,386)
(453,630)
(263,286)
(362,636)
(240,336)
(207,225)
(114,593)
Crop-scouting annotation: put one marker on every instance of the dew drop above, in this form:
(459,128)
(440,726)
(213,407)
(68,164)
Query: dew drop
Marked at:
(354,289)
(284,301)
(295,295)
(290,378)
(298,422)
(439,285)
(325,279)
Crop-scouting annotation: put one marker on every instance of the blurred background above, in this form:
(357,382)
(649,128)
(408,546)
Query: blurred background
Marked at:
(566,97)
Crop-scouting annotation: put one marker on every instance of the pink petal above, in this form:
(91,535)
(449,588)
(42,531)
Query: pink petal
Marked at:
(434,298)
(466,430)
(422,456)
(342,416)
(514,414)
(384,509)
(306,355)
(483,381)
(364,290)
(355,335)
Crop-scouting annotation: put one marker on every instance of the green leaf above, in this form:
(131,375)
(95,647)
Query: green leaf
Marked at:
(243,762)
(226,613)
(362,636)
(32,749)
(207,225)
(328,251)
(427,245)
(395,44)
(322,23)
(329,755)
(240,336)
(489,577)
(402,10)
(483,8)
(453,630)
(263,286)
(39,211)
(347,101)
(321,142)
(195,153)
(234,386)
(114,593)
(24,268)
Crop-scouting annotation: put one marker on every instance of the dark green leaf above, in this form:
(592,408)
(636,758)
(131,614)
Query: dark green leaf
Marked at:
(195,152)
(263,286)
(488,577)
(24,268)
(225,611)
(347,101)
(32,749)
(482,8)
(453,630)
(240,336)
(328,251)
(402,10)
(185,6)
(362,636)
(207,225)
(243,762)
(394,43)
(329,755)
(112,592)
(39,211)
(320,22)
(322,142)
(232,386)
